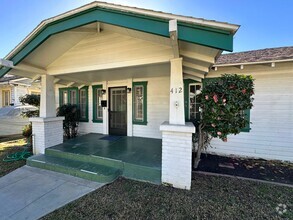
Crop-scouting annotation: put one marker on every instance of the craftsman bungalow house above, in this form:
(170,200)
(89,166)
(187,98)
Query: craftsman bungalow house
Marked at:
(14,87)
(134,73)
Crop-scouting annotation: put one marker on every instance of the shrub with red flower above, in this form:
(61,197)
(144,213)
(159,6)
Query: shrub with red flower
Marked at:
(222,115)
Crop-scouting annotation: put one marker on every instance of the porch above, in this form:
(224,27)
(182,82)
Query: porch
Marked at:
(104,158)
(102,54)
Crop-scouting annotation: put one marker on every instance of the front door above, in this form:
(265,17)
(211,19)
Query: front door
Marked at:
(118,111)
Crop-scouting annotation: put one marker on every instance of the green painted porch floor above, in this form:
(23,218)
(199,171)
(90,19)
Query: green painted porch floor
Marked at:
(91,157)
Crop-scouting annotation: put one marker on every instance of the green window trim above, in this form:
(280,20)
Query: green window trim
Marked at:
(86,119)
(187,82)
(94,88)
(247,117)
(246,112)
(61,90)
(144,85)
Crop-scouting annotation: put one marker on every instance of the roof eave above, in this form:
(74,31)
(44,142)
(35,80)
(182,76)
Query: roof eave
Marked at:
(232,28)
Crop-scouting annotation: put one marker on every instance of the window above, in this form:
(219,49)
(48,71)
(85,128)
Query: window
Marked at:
(193,113)
(6,98)
(139,91)
(97,107)
(83,104)
(68,96)
(75,97)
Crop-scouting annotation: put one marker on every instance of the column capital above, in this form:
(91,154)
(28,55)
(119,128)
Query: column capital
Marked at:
(176,59)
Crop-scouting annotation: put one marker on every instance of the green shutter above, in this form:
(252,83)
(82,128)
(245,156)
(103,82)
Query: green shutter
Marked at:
(95,119)
(247,117)
(144,121)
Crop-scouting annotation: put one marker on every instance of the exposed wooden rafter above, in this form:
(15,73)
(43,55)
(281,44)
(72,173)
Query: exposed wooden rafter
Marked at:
(194,73)
(70,84)
(26,67)
(198,56)
(188,76)
(56,80)
(196,66)
(36,77)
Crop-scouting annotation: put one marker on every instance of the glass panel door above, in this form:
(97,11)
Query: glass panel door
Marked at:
(118,111)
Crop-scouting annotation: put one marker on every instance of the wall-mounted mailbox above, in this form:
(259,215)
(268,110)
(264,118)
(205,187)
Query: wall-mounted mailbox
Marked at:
(104,103)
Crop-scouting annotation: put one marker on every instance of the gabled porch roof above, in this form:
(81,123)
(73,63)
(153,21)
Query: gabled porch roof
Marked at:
(66,30)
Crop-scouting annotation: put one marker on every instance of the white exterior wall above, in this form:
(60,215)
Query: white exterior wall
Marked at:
(271,134)
(19,91)
(157,107)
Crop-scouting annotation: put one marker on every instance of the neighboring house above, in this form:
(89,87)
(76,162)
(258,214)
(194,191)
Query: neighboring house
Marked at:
(14,87)
(133,72)
(270,134)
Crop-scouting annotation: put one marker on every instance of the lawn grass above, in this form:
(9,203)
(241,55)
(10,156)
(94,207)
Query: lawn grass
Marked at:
(9,147)
(210,198)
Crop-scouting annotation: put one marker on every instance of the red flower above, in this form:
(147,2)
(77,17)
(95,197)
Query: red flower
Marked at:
(219,133)
(215,97)
(225,139)
(206,97)
(243,91)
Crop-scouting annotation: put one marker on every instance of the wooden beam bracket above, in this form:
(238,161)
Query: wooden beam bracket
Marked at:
(174,37)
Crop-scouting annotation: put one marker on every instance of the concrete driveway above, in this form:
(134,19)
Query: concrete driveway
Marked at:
(30,193)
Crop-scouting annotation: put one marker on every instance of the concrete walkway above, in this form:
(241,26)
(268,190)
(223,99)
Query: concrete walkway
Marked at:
(30,193)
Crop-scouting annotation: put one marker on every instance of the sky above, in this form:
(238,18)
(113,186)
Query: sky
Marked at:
(264,23)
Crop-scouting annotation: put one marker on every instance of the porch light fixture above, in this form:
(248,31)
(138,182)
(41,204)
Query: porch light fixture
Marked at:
(128,90)
(103,91)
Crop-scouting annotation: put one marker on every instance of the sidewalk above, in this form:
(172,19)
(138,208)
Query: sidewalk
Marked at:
(30,193)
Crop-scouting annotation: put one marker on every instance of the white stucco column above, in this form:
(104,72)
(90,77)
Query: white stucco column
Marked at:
(47,129)
(47,105)
(176,109)
(177,135)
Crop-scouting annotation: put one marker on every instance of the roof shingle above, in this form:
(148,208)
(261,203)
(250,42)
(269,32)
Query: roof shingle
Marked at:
(269,54)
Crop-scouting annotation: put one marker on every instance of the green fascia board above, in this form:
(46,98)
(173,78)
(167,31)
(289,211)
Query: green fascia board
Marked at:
(210,37)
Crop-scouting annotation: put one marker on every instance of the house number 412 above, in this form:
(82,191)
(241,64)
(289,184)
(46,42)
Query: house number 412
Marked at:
(176,90)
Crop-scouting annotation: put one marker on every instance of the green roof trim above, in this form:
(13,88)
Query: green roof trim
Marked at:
(206,36)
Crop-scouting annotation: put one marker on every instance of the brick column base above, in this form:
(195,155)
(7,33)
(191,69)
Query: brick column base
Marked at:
(47,132)
(177,154)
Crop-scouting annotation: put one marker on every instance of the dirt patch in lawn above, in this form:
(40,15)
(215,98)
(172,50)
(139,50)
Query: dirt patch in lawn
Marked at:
(269,170)
(7,148)
(210,198)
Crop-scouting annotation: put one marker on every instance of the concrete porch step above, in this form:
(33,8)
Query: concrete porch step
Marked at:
(128,170)
(85,170)
(108,162)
